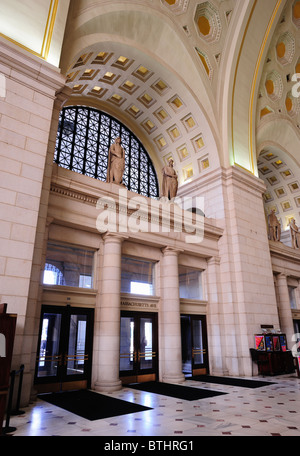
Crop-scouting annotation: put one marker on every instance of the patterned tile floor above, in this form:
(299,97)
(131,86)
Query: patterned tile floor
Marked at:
(271,410)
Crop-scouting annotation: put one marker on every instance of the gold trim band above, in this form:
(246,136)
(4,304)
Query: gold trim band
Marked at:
(255,80)
(252,93)
(46,43)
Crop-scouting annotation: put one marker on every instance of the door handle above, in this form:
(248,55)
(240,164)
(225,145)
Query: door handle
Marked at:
(129,355)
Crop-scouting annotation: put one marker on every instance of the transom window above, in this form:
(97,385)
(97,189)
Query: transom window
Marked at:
(190,283)
(68,266)
(83,140)
(137,276)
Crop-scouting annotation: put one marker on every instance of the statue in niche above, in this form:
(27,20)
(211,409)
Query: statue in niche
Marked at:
(170,181)
(295,234)
(274,227)
(116,162)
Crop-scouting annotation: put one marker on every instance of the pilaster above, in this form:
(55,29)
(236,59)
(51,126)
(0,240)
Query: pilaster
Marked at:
(284,308)
(215,318)
(27,113)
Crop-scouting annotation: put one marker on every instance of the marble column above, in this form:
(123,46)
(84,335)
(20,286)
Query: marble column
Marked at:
(108,317)
(297,295)
(215,318)
(170,314)
(284,309)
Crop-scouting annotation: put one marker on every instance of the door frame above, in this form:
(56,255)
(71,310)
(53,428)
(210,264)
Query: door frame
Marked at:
(137,375)
(62,381)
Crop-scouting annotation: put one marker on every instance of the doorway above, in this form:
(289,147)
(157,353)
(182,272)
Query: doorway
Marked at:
(138,347)
(194,345)
(64,356)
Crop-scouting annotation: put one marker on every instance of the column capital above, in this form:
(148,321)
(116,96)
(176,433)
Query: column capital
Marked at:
(49,220)
(281,276)
(114,237)
(62,95)
(171,251)
(214,261)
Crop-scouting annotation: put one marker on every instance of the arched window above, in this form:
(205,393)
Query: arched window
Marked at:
(83,140)
(53,275)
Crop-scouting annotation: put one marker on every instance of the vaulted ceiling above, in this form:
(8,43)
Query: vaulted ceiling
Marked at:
(209,83)
(278,119)
(156,67)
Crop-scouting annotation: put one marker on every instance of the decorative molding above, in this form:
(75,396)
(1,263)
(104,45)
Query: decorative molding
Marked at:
(48,32)
(139,302)
(35,71)
(75,194)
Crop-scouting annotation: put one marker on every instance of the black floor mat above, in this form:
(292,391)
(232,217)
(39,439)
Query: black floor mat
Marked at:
(232,381)
(91,405)
(186,393)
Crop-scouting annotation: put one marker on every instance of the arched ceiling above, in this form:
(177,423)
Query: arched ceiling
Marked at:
(181,74)
(278,119)
(281,175)
(142,94)
(156,67)
(276,98)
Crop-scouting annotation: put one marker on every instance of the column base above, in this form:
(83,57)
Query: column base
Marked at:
(108,387)
(180,378)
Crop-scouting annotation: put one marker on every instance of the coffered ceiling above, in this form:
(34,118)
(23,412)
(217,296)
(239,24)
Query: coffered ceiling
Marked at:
(163,88)
(141,93)
(278,119)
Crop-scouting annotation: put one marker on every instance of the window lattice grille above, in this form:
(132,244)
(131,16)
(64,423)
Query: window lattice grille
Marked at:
(83,140)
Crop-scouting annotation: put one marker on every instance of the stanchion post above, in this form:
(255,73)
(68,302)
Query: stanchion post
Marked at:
(9,429)
(17,410)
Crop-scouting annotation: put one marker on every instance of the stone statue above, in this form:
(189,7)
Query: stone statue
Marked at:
(295,234)
(274,227)
(116,162)
(170,181)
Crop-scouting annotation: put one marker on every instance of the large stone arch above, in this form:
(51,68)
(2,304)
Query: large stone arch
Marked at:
(117,31)
(279,167)
(255,25)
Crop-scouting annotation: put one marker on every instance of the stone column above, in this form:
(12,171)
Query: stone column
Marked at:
(215,318)
(170,328)
(297,296)
(284,309)
(107,325)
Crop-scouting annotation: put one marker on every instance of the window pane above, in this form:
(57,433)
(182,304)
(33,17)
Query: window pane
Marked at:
(292,297)
(49,345)
(68,266)
(190,283)
(146,347)
(82,144)
(127,349)
(197,342)
(76,348)
(137,276)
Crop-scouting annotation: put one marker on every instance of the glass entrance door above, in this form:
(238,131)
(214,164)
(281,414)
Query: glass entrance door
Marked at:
(138,347)
(65,347)
(194,344)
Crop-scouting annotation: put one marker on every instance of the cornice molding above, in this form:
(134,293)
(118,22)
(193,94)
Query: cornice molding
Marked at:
(33,69)
(243,178)
(282,251)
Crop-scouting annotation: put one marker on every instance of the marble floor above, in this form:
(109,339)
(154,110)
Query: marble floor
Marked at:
(272,410)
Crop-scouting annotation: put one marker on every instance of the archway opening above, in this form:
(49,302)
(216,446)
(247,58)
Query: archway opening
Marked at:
(83,140)
(281,175)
